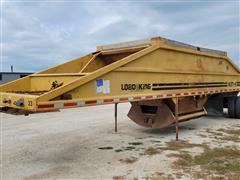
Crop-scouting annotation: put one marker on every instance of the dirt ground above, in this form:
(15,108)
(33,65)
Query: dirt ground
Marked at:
(81,144)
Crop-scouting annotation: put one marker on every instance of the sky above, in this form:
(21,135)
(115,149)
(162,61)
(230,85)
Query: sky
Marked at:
(38,35)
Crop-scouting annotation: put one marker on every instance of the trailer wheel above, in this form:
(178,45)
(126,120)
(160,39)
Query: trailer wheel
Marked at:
(237,107)
(231,107)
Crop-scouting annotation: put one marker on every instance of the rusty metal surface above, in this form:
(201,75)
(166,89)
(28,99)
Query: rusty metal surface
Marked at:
(168,111)
(162,118)
(188,104)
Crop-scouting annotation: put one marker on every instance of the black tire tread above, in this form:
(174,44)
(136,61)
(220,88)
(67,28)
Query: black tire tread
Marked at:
(237,107)
(231,107)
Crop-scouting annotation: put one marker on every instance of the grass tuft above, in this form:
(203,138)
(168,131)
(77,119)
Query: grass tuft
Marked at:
(226,134)
(151,151)
(179,145)
(118,150)
(129,160)
(135,143)
(220,160)
(105,148)
(118,178)
(129,148)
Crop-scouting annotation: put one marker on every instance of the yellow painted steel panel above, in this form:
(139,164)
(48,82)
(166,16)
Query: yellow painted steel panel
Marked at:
(127,70)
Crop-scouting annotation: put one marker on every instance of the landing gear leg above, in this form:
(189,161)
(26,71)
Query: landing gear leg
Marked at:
(115,115)
(176,118)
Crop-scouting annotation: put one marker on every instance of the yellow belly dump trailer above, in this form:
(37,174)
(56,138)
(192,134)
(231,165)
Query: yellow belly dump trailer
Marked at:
(166,82)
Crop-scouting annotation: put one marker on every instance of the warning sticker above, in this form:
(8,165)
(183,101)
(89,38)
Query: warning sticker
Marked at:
(102,86)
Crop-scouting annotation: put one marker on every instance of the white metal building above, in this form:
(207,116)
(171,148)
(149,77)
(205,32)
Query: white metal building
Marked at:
(10,76)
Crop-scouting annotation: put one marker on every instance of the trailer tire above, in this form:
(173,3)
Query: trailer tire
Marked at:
(237,107)
(231,107)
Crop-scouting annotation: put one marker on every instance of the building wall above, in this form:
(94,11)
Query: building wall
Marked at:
(4,78)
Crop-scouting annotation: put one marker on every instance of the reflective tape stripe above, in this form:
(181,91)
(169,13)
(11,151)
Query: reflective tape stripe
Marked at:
(99,101)
(108,100)
(154,97)
(81,103)
(70,104)
(116,100)
(124,99)
(58,106)
(91,102)
(137,97)
(148,97)
(128,99)
(46,106)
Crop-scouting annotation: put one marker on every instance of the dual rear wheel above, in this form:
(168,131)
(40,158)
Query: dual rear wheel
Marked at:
(234,107)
